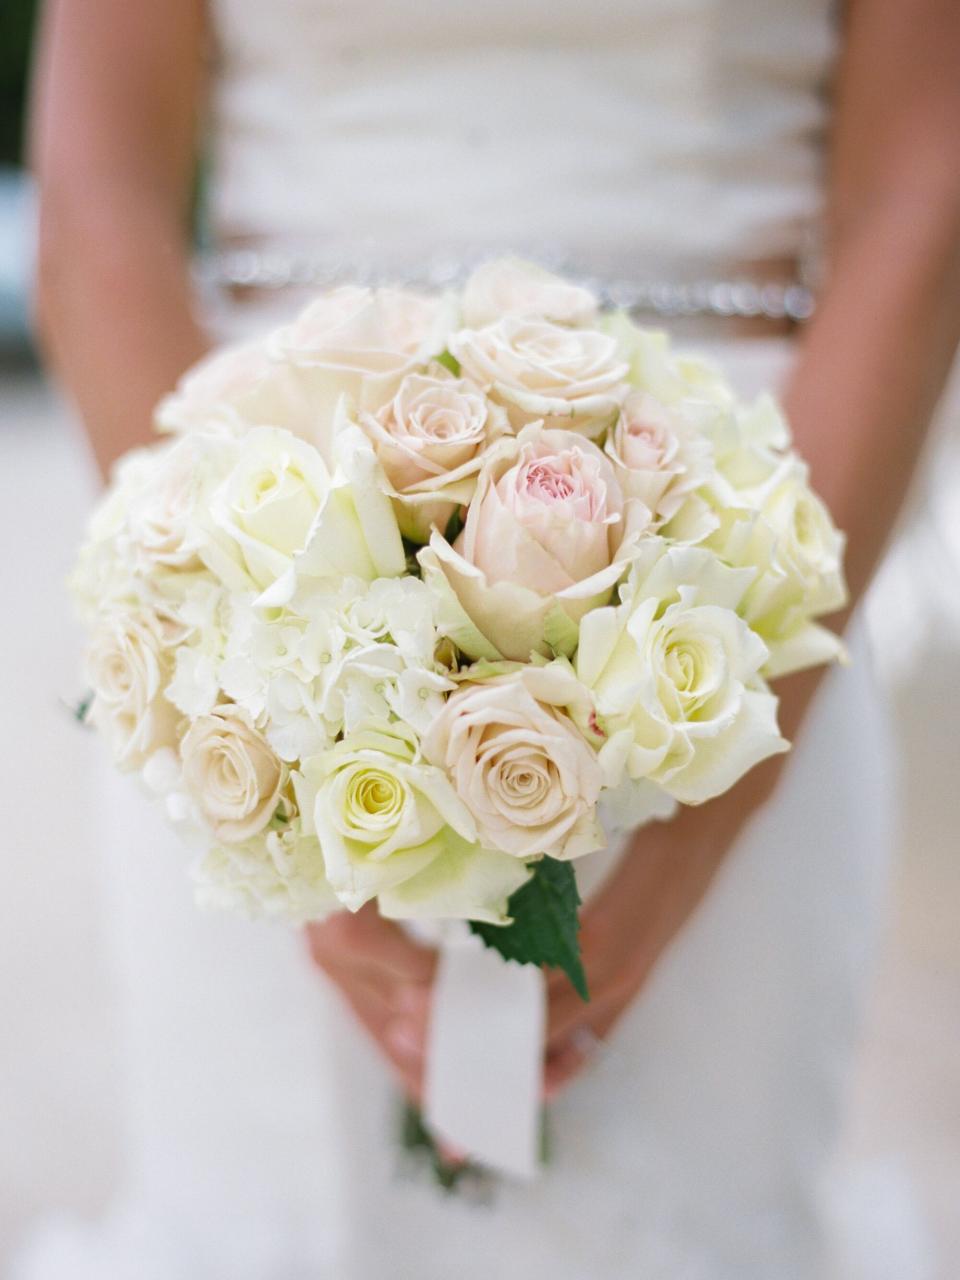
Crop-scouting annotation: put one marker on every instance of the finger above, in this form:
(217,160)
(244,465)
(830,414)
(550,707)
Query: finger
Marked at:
(409,1071)
(561,1067)
(384,944)
(569,1057)
(406,1041)
(366,939)
(566,1011)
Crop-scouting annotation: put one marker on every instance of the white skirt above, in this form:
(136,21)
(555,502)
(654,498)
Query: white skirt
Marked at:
(262,1125)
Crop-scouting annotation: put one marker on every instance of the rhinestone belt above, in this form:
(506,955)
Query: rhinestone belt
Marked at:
(742,299)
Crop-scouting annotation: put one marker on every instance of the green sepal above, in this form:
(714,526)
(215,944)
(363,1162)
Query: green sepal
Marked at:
(545,924)
(560,632)
(449,362)
(417,1139)
(80,710)
(454,526)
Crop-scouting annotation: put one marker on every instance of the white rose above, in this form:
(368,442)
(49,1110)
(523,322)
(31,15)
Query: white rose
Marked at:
(231,774)
(431,440)
(128,667)
(392,827)
(670,376)
(361,342)
(520,765)
(279,509)
(509,286)
(545,541)
(675,675)
(749,446)
(785,533)
(571,378)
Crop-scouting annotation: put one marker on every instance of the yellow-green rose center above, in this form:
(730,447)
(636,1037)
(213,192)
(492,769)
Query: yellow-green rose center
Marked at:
(374,799)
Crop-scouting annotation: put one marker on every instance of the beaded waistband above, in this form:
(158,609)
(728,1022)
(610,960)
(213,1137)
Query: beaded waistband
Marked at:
(736,298)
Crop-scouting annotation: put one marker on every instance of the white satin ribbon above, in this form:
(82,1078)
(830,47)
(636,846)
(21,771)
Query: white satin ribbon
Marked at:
(483,1091)
(484,1075)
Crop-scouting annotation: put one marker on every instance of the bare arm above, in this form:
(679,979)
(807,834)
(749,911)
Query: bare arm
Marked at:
(871,368)
(874,361)
(117,97)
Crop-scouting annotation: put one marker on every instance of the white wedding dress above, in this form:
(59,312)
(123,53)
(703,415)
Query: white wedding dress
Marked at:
(640,139)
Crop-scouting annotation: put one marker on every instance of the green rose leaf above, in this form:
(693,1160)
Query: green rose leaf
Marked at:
(544,924)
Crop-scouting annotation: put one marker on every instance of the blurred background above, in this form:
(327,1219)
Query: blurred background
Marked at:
(59,1057)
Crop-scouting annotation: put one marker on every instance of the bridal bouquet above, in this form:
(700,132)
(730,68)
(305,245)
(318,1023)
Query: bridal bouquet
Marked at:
(419,596)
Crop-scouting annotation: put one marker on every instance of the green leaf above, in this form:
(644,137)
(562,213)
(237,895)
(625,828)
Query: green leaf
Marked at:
(450,362)
(544,924)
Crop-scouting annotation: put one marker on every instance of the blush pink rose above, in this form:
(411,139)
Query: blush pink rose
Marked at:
(660,459)
(545,540)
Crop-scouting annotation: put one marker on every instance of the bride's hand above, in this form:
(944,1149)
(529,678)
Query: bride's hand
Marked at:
(385,978)
(635,916)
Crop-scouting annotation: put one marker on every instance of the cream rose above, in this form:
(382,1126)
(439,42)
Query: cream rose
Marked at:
(545,541)
(509,286)
(128,667)
(230,773)
(392,827)
(539,371)
(431,440)
(161,522)
(519,763)
(676,677)
(361,342)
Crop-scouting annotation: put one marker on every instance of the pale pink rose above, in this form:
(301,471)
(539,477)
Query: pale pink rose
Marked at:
(571,378)
(431,440)
(362,342)
(235,388)
(509,286)
(519,764)
(661,460)
(231,774)
(544,541)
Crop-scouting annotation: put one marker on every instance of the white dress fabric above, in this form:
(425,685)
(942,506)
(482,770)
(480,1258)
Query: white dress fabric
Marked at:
(629,134)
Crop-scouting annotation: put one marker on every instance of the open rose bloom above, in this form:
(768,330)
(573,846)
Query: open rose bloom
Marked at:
(408,588)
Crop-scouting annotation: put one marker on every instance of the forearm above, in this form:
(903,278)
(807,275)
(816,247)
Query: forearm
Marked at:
(874,362)
(870,371)
(117,97)
(115,310)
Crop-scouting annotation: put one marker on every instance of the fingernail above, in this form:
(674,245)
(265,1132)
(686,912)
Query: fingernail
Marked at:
(453,1155)
(403,1039)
